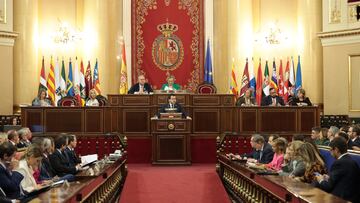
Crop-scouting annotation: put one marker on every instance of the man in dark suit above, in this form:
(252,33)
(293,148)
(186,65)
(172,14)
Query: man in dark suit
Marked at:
(9,180)
(58,160)
(272,99)
(141,87)
(262,151)
(173,106)
(354,134)
(70,151)
(344,179)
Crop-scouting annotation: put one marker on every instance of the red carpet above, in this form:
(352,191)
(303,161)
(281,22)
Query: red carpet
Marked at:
(171,184)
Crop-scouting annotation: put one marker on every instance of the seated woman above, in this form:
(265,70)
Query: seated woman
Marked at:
(92,101)
(247,99)
(41,99)
(170,85)
(314,164)
(293,166)
(28,164)
(300,99)
(279,146)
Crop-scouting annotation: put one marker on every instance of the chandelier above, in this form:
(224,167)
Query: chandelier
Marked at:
(272,35)
(65,34)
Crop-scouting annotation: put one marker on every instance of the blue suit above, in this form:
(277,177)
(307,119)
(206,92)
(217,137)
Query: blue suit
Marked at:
(10,183)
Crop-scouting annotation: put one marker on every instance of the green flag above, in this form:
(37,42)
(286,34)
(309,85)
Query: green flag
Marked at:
(63,80)
(266,84)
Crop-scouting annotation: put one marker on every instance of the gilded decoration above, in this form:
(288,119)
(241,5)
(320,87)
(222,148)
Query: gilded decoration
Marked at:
(193,10)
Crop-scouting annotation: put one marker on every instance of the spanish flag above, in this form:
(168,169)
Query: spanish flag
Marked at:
(123,71)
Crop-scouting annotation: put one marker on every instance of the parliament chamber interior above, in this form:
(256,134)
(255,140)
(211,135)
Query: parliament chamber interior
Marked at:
(144,101)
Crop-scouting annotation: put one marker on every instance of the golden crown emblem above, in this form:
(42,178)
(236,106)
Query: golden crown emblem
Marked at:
(167,28)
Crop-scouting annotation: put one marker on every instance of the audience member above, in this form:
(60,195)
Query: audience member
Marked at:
(141,87)
(345,128)
(70,151)
(354,133)
(332,132)
(9,179)
(300,99)
(273,99)
(46,170)
(278,146)
(247,99)
(298,137)
(170,85)
(27,166)
(344,177)
(314,164)
(14,120)
(58,160)
(25,137)
(262,151)
(315,134)
(344,135)
(293,166)
(92,101)
(3,137)
(323,140)
(41,99)
(13,137)
(272,138)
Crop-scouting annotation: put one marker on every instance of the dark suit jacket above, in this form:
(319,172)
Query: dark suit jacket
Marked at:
(267,101)
(71,155)
(344,179)
(60,164)
(136,88)
(265,156)
(46,170)
(10,183)
(178,107)
(356,143)
(241,101)
(3,198)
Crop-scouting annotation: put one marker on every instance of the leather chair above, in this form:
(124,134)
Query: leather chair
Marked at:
(103,101)
(206,88)
(68,101)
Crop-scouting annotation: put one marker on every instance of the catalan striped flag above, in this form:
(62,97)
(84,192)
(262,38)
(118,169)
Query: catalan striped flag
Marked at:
(96,79)
(50,83)
(233,84)
(42,85)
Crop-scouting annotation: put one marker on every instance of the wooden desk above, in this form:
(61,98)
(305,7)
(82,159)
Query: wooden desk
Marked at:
(245,185)
(171,141)
(212,115)
(104,187)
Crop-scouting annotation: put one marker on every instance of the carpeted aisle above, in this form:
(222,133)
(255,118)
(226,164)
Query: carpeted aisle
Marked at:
(171,184)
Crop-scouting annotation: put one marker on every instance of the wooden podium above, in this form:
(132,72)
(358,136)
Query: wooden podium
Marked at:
(171,141)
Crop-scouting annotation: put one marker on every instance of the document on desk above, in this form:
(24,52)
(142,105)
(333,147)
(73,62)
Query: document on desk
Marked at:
(85,160)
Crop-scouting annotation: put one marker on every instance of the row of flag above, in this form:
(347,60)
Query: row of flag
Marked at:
(58,85)
(283,82)
(76,84)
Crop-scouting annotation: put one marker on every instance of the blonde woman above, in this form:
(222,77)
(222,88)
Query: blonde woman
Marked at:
(314,164)
(92,101)
(293,166)
(27,166)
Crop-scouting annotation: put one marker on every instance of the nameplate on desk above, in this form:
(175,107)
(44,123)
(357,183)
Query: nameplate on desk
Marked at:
(170,115)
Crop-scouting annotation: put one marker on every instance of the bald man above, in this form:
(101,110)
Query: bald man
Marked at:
(141,87)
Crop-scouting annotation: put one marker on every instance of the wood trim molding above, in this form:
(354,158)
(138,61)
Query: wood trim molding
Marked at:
(340,37)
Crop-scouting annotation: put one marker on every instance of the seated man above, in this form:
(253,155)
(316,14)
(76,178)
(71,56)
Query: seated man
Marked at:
(262,151)
(173,106)
(13,137)
(354,134)
(25,137)
(70,151)
(246,99)
(9,180)
(344,178)
(273,99)
(59,161)
(141,87)
(170,85)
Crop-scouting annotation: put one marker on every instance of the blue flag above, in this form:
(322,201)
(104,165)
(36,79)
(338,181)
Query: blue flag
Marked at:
(298,81)
(69,82)
(208,78)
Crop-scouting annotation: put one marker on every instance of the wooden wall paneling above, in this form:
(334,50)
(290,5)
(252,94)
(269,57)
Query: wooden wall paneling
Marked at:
(277,120)
(228,100)
(94,120)
(228,119)
(64,119)
(114,100)
(171,147)
(205,100)
(107,122)
(248,120)
(136,120)
(136,100)
(160,99)
(307,118)
(33,118)
(206,120)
